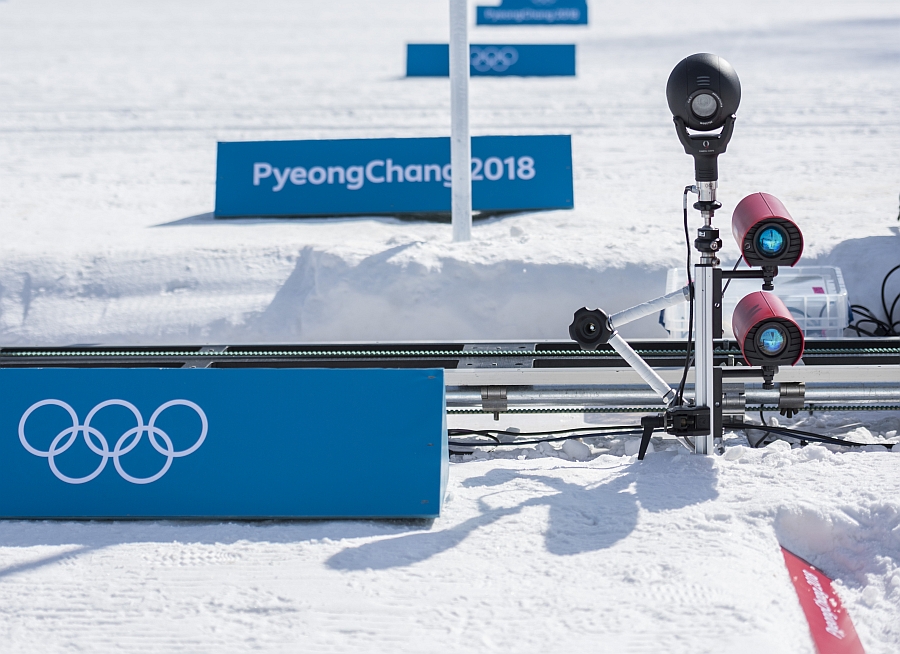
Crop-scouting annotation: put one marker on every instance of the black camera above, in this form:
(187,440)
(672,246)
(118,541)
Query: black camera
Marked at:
(703,90)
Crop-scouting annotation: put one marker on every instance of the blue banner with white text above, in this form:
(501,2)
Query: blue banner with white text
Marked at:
(389,176)
(507,60)
(534,12)
(222,443)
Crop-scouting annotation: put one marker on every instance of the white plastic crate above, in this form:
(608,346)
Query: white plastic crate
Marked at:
(815,295)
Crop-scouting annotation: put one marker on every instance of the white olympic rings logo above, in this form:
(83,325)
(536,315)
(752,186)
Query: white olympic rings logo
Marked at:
(67,437)
(493,58)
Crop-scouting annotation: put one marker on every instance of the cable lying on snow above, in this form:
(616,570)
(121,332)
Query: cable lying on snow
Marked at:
(550,436)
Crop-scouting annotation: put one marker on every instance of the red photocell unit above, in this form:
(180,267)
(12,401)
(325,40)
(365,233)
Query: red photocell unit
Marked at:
(765,231)
(766,331)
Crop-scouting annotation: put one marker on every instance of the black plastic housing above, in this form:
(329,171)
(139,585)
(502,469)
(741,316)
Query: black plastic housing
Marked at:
(703,74)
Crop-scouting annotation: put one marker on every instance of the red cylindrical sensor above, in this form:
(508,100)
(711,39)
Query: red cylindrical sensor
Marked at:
(766,331)
(765,231)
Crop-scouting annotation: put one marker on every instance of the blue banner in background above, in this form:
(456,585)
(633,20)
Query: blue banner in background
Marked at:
(222,443)
(433,60)
(534,12)
(389,176)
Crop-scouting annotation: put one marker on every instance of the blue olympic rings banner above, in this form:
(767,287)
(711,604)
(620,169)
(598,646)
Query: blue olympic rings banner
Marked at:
(389,176)
(222,443)
(433,60)
(534,12)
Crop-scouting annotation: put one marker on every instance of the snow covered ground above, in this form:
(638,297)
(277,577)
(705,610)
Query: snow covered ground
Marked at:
(109,117)
(533,553)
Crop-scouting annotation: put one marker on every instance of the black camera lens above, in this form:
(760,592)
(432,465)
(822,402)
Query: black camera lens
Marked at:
(771,241)
(704,105)
(771,339)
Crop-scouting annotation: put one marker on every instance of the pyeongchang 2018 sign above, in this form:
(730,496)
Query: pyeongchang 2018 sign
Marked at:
(501,60)
(534,12)
(389,176)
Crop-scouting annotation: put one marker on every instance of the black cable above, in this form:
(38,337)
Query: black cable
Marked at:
(802,435)
(781,431)
(762,419)
(890,314)
(816,438)
(549,432)
(688,354)
(632,432)
(881,328)
(736,264)
(888,327)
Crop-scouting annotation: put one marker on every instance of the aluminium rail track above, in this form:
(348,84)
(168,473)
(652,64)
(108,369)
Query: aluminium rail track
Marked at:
(533,377)
(449,356)
(526,377)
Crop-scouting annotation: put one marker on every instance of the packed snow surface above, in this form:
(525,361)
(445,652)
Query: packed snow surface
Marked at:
(535,551)
(110,114)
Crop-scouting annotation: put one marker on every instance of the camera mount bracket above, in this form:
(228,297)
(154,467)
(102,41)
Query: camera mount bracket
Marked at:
(708,241)
(705,149)
(766,273)
(766,372)
(678,421)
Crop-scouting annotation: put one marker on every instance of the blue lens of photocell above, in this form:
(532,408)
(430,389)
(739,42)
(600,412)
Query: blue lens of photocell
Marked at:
(771,341)
(771,241)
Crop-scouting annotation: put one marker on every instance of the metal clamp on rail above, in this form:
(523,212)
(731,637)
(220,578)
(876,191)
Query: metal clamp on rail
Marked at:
(791,398)
(734,405)
(493,400)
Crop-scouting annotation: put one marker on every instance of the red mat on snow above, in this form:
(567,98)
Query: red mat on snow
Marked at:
(830,624)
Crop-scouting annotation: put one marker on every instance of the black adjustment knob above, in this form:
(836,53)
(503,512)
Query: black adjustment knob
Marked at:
(591,328)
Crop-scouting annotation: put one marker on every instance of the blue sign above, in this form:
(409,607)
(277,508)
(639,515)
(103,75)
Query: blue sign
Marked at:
(222,443)
(389,176)
(534,12)
(433,60)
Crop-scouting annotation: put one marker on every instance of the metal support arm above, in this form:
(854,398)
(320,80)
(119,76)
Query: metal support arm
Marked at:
(641,367)
(651,307)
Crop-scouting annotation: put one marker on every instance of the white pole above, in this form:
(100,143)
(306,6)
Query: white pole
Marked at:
(460,144)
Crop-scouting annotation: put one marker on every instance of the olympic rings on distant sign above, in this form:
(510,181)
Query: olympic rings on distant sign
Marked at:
(493,58)
(98,444)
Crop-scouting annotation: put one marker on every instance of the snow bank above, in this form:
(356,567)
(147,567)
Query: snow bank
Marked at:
(112,112)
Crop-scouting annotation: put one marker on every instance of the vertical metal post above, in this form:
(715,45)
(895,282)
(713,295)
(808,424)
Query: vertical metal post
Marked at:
(703,350)
(460,144)
(708,244)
